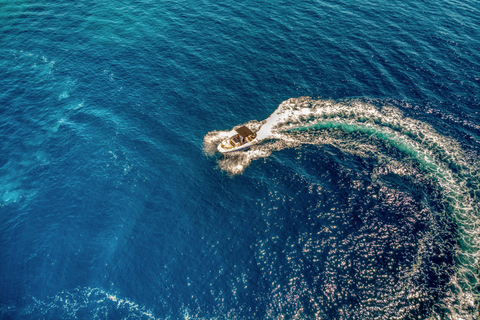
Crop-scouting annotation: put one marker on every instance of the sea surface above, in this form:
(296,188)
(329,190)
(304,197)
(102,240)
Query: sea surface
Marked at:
(361,201)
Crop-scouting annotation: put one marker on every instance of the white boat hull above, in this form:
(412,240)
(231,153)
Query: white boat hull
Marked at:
(239,148)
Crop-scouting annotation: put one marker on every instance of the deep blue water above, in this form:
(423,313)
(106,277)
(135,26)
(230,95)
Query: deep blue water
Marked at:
(361,203)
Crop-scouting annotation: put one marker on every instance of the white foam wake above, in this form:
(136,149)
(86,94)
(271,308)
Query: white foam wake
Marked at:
(300,121)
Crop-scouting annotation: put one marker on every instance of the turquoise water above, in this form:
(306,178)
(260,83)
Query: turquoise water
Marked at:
(360,201)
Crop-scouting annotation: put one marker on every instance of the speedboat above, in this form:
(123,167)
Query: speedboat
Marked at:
(243,139)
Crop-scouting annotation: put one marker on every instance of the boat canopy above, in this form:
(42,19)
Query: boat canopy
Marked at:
(244,131)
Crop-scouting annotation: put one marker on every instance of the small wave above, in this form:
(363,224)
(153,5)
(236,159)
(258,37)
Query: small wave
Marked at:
(91,303)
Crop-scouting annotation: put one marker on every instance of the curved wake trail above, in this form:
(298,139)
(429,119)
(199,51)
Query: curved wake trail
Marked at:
(303,121)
